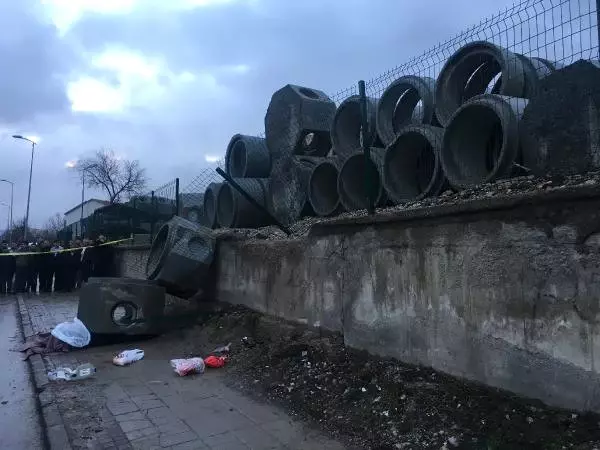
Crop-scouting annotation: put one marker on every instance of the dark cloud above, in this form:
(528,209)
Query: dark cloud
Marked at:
(35,64)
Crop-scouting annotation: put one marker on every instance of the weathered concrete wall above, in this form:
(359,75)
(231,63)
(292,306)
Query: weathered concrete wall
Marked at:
(131,261)
(506,297)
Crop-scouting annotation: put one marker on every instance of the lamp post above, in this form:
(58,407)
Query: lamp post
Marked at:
(7,215)
(18,136)
(10,223)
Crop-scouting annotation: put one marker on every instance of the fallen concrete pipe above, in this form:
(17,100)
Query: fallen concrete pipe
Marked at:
(406,100)
(322,188)
(247,157)
(122,306)
(210,205)
(411,164)
(298,122)
(482,142)
(477,64)
(345,131)
(180,257)
(235,211)
(351,180)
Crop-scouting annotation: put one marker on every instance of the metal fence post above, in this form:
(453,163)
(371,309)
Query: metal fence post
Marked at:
(598,25)
(365,140)
(152,215)
(177,204)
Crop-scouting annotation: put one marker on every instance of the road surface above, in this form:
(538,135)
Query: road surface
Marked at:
(19,420)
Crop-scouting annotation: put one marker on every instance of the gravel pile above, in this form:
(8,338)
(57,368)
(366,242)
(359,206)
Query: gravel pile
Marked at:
(501,189)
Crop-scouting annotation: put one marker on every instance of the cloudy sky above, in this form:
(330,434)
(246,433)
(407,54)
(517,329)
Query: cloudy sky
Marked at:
(168,83)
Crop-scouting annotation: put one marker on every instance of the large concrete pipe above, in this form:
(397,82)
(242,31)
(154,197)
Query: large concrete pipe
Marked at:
(351,180)
(345,131)
(180,257)
(235,211)
(210,205)
(297,122)
(482,141)
(411,164)
(122,306)
(322,188)
(560,126)
(247,157)
(407,100)
(287,197)
(477,64)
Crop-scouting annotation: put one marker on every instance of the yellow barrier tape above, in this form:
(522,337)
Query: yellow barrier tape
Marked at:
(65,250)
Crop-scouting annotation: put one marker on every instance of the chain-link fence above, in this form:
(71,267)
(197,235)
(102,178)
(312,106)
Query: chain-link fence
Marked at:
(515,95)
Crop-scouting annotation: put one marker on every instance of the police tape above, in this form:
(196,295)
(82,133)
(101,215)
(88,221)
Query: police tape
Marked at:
(66,250)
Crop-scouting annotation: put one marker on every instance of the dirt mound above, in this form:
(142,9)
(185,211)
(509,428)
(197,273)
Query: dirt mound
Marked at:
(378,403)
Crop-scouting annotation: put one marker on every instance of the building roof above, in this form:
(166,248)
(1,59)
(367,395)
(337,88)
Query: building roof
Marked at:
(103,202)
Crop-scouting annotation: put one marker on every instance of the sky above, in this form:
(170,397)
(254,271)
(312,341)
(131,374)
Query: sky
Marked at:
(169,83)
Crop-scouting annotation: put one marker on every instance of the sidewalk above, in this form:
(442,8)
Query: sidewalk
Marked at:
(145,405)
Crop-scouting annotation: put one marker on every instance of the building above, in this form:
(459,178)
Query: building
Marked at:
(74,215)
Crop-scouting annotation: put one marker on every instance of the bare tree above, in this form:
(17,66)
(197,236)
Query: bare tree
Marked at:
(55,223)
(119,178)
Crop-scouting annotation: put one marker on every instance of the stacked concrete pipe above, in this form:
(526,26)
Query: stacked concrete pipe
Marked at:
(210,205)
(247,157)
(322,188)
(346,127)
(235,211)
(471,69)
(351,180)
(411,164)
(406,100)
(482,141)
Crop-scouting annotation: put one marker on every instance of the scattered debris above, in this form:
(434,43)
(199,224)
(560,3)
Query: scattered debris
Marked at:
(187,366)
(80,372)
(225,349)
(248,342)
(215,362)
(127,357)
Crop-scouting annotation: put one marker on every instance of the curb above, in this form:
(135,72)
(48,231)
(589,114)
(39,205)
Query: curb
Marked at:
(53,428)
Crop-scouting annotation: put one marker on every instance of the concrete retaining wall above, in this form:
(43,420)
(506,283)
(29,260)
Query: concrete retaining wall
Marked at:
(502,292)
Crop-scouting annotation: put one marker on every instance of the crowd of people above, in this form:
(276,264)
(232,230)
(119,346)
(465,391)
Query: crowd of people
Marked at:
(53,267)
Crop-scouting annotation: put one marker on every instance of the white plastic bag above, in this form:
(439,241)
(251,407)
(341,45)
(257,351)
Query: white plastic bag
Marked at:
(188,366)
(73,333)
(127,357)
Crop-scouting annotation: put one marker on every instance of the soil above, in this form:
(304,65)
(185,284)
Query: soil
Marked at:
(376,403)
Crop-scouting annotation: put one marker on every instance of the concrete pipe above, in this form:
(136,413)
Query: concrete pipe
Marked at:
(351,180)
(477,64)
(322,188)
(210,205)
(345,130)
(536,69)
(411,164)
(122,306)
(247,157)
(405,101)
(482,142)
(235,211)
(181,256)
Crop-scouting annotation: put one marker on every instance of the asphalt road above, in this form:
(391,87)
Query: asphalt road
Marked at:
(19,421)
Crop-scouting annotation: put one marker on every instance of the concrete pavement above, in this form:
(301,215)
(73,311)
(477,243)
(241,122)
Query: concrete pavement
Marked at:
(147,406)
(19,419)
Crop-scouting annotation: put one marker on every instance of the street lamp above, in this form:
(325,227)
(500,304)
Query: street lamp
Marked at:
(10,224)
(18,136)
(8,218)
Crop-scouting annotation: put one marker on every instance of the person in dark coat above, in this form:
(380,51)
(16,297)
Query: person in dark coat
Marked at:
(32,269)
(21,269)
(70,268)
(5,263)
(76,263)
(87,261)
(46,270)
(57,268)
(104,259)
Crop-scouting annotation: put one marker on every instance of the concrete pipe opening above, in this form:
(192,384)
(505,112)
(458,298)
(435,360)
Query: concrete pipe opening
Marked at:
(210,204)
(345,131)
(481,142)
(322,189)
(238,159)
(351,182)
(471,71)
(409,99)
(226,207)
(160,247)
(411,164)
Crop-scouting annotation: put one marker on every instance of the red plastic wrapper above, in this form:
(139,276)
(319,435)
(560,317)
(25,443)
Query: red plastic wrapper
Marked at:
(215,362)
